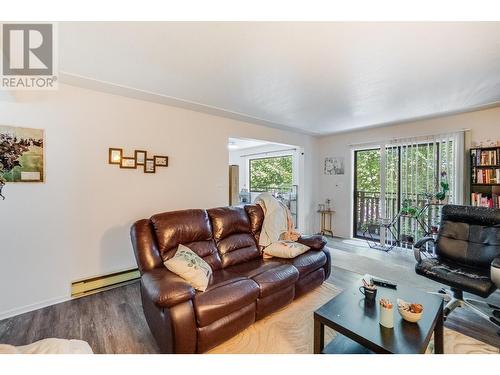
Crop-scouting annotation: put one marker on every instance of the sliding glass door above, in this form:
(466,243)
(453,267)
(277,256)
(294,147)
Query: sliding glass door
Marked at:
(404,173)
(367,190)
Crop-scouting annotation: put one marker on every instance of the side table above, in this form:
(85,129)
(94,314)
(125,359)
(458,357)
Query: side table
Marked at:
(326,222)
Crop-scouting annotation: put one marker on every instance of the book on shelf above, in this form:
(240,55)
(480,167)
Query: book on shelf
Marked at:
(485,157)
(480,200)
(486,176)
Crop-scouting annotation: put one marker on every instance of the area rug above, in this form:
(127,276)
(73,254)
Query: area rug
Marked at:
(290,331)
(392,271)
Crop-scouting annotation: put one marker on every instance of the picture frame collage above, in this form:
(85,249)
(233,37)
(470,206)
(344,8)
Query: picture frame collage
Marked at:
(140,159)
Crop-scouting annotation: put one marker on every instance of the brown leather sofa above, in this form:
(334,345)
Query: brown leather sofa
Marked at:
(244,287)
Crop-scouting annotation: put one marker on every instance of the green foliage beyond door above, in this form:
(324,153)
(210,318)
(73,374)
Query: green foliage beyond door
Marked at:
(271,173)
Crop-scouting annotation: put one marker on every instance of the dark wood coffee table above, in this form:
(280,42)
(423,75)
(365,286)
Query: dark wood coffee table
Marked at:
(359,331)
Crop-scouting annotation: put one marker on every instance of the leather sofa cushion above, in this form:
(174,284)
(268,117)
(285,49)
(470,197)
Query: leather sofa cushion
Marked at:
(256,215)
(316,241)
(219,300)
(237,248)
(309,282)
(253,267)
(307,262)
(274,302)
(165,288)
(223,329)
(231,231)
(464,278)
(228,220)
(187,227)
(276,279)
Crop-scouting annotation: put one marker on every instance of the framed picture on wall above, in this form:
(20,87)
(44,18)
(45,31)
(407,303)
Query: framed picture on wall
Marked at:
(161,161)
(149,166)
(115,155)
(21,154)
(128,163)
(334,166)
(140,157)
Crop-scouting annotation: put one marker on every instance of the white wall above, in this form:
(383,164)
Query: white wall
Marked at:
(76,224)
(484,125)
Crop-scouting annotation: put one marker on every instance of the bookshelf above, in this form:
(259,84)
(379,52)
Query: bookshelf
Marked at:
(485,176)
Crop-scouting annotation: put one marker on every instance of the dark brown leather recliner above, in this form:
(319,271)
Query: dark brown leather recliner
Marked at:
(244,287)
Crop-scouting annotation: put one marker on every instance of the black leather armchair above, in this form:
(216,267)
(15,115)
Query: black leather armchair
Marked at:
(466,257)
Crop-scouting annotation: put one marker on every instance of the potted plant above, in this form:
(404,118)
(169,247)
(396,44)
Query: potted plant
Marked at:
(442,196)
(408,209)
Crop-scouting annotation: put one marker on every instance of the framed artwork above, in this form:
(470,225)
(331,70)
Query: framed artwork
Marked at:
(115,155)
(140,157)
(149,166)
(334,166)
(128,163)
(161,161)
(21,154)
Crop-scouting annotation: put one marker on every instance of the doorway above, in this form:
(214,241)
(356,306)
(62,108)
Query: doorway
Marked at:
(262,166)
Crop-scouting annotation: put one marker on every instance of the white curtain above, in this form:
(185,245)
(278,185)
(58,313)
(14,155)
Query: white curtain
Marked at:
(425,161)
(412,170)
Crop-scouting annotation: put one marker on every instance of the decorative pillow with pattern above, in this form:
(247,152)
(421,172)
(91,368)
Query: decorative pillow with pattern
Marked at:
(285,249)
(188,265)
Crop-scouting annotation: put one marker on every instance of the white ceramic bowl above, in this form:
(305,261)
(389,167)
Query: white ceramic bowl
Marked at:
(409,316)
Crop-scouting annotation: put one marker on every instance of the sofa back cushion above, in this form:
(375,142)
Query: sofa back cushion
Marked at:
(190,228)
(232,234)
(469,236)
(256,215)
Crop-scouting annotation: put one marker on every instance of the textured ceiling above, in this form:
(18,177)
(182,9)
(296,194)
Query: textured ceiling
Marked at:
(317,78)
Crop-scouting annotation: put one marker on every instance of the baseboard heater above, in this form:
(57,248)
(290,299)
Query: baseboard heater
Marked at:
(98,284)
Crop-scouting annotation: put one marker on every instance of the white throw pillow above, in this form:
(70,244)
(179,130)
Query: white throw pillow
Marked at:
(188,265)
(285,249)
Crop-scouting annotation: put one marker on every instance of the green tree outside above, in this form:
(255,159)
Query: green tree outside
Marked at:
(273,172)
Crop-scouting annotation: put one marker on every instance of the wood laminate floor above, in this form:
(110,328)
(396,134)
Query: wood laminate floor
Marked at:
(113,321)
(110,321)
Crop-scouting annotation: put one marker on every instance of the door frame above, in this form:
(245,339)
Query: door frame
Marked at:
(354,191)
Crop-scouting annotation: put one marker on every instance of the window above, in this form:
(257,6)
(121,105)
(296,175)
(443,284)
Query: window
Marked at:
(271,173)
(275,175)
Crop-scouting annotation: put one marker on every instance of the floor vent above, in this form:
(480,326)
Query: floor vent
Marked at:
(98,284)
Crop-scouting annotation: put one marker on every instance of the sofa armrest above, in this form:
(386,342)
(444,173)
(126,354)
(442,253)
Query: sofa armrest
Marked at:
(417,248)
(495,272)
(165,288)
(146,251)
(421,242)
(328,264)
(316,241)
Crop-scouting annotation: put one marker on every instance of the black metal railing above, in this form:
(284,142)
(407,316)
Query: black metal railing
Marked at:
(368,213)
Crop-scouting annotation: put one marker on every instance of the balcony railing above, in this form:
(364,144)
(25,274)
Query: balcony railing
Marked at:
(368,212)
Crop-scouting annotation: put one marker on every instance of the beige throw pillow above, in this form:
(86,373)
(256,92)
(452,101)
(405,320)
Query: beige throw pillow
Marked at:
(285,249)
(188,265)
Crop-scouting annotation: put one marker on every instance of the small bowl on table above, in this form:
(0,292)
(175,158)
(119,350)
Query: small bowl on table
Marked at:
(411,312)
